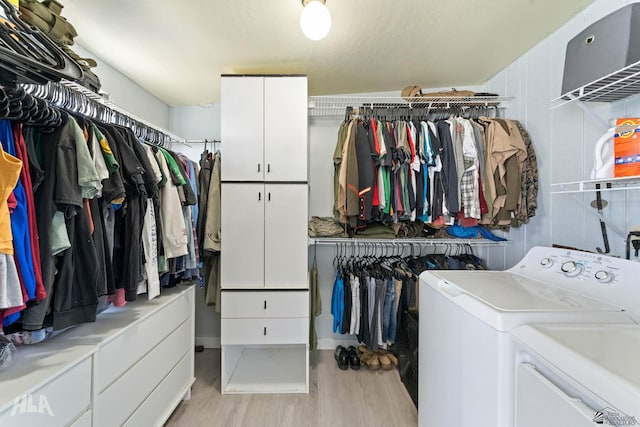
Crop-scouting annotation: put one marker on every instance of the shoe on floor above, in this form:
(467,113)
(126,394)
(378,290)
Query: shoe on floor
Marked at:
(354,359)
(385,362)
(342,357)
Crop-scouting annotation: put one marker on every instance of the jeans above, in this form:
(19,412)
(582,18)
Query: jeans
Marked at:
(389,313)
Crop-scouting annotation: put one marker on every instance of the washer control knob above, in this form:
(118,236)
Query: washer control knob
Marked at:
(571,268)
(604,276)
(546,262)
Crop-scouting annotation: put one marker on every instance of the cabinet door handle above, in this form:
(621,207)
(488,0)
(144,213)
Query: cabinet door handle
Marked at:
(259,196)
(265,331)
(265,304)
(258,167)
(268,167)
(269,196)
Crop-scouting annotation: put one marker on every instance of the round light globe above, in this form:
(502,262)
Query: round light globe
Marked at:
(315,20)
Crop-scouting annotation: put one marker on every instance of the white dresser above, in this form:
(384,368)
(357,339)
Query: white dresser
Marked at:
(264,277)
(131,367)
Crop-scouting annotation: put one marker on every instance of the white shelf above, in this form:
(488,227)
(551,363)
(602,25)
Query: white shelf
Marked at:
(617,184)
(336,105)
(612,87)
(266,369)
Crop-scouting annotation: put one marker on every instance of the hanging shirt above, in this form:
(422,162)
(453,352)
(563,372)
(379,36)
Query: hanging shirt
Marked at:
(380,176)
(19,218)
(469,182)
(174,229)
(449,171)
(337,302)
(10,168)
(366,172)
(88,178)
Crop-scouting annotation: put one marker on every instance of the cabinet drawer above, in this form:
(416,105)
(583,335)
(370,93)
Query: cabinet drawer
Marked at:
(120,400)
(117,355)
(262,304)
(159,406)
(264,331)
(57,403)
(83,421)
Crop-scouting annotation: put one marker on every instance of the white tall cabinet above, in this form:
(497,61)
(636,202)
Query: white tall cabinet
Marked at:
(264,279)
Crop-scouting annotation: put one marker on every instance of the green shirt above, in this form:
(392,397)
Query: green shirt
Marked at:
(109,158)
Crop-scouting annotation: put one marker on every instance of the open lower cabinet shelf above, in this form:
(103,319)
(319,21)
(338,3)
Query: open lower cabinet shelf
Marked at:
(248,369)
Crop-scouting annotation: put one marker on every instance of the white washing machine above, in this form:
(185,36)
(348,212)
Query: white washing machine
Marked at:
(577,375)
(466,353)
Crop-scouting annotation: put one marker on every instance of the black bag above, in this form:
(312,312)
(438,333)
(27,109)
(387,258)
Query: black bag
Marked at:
(406,350)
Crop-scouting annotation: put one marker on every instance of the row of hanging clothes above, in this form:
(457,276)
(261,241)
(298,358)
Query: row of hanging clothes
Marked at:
(92,214)
(375,284)
(447,166)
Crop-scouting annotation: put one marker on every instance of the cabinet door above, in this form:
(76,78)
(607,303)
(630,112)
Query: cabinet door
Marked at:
(242,122)
(286,236)
(242,222)
(285,128)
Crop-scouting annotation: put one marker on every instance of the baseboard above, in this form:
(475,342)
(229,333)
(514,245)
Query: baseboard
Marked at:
(323,343)
(332,343)
(208,342)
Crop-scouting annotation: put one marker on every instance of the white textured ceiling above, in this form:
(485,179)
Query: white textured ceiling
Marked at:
(177,49)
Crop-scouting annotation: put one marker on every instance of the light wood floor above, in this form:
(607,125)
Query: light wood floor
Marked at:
(336,398)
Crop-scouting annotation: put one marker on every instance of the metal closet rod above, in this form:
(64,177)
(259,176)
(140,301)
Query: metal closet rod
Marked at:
(74,97)
(203,141)
(364,241)
(422,109)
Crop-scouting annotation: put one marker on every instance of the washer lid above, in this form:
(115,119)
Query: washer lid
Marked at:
(509,292)
(603,358)
(504,300)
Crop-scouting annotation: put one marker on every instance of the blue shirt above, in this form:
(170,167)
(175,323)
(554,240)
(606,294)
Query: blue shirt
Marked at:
(337,302)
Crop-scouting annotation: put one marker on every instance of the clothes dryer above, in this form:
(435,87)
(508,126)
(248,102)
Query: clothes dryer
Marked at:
(467,360)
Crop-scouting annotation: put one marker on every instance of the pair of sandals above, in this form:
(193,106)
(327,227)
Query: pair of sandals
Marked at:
(347,357)
(376,359)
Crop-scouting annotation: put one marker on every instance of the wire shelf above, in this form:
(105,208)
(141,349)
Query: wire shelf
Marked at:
(336,105)
(415,241)
(612,87)
(616,184)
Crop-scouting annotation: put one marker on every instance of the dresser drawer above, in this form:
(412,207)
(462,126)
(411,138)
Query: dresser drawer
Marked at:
(121,399)
(128,347)
(83,421)
(57,403)
(156,409)
(260,304)
(264,331)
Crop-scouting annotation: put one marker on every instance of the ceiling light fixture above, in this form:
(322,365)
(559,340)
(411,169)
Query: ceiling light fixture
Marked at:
(315,19)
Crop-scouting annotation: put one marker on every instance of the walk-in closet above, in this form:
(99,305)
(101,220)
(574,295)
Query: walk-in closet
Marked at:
(319,213)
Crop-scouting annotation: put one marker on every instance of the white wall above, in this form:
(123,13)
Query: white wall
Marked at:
(127,94)
(323,132)
(199,122)
(564,139)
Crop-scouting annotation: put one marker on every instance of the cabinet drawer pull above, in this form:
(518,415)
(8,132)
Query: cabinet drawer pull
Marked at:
(259,196)
(265,304)
(265,331)
(268,167)
(269,196)
(258,167)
